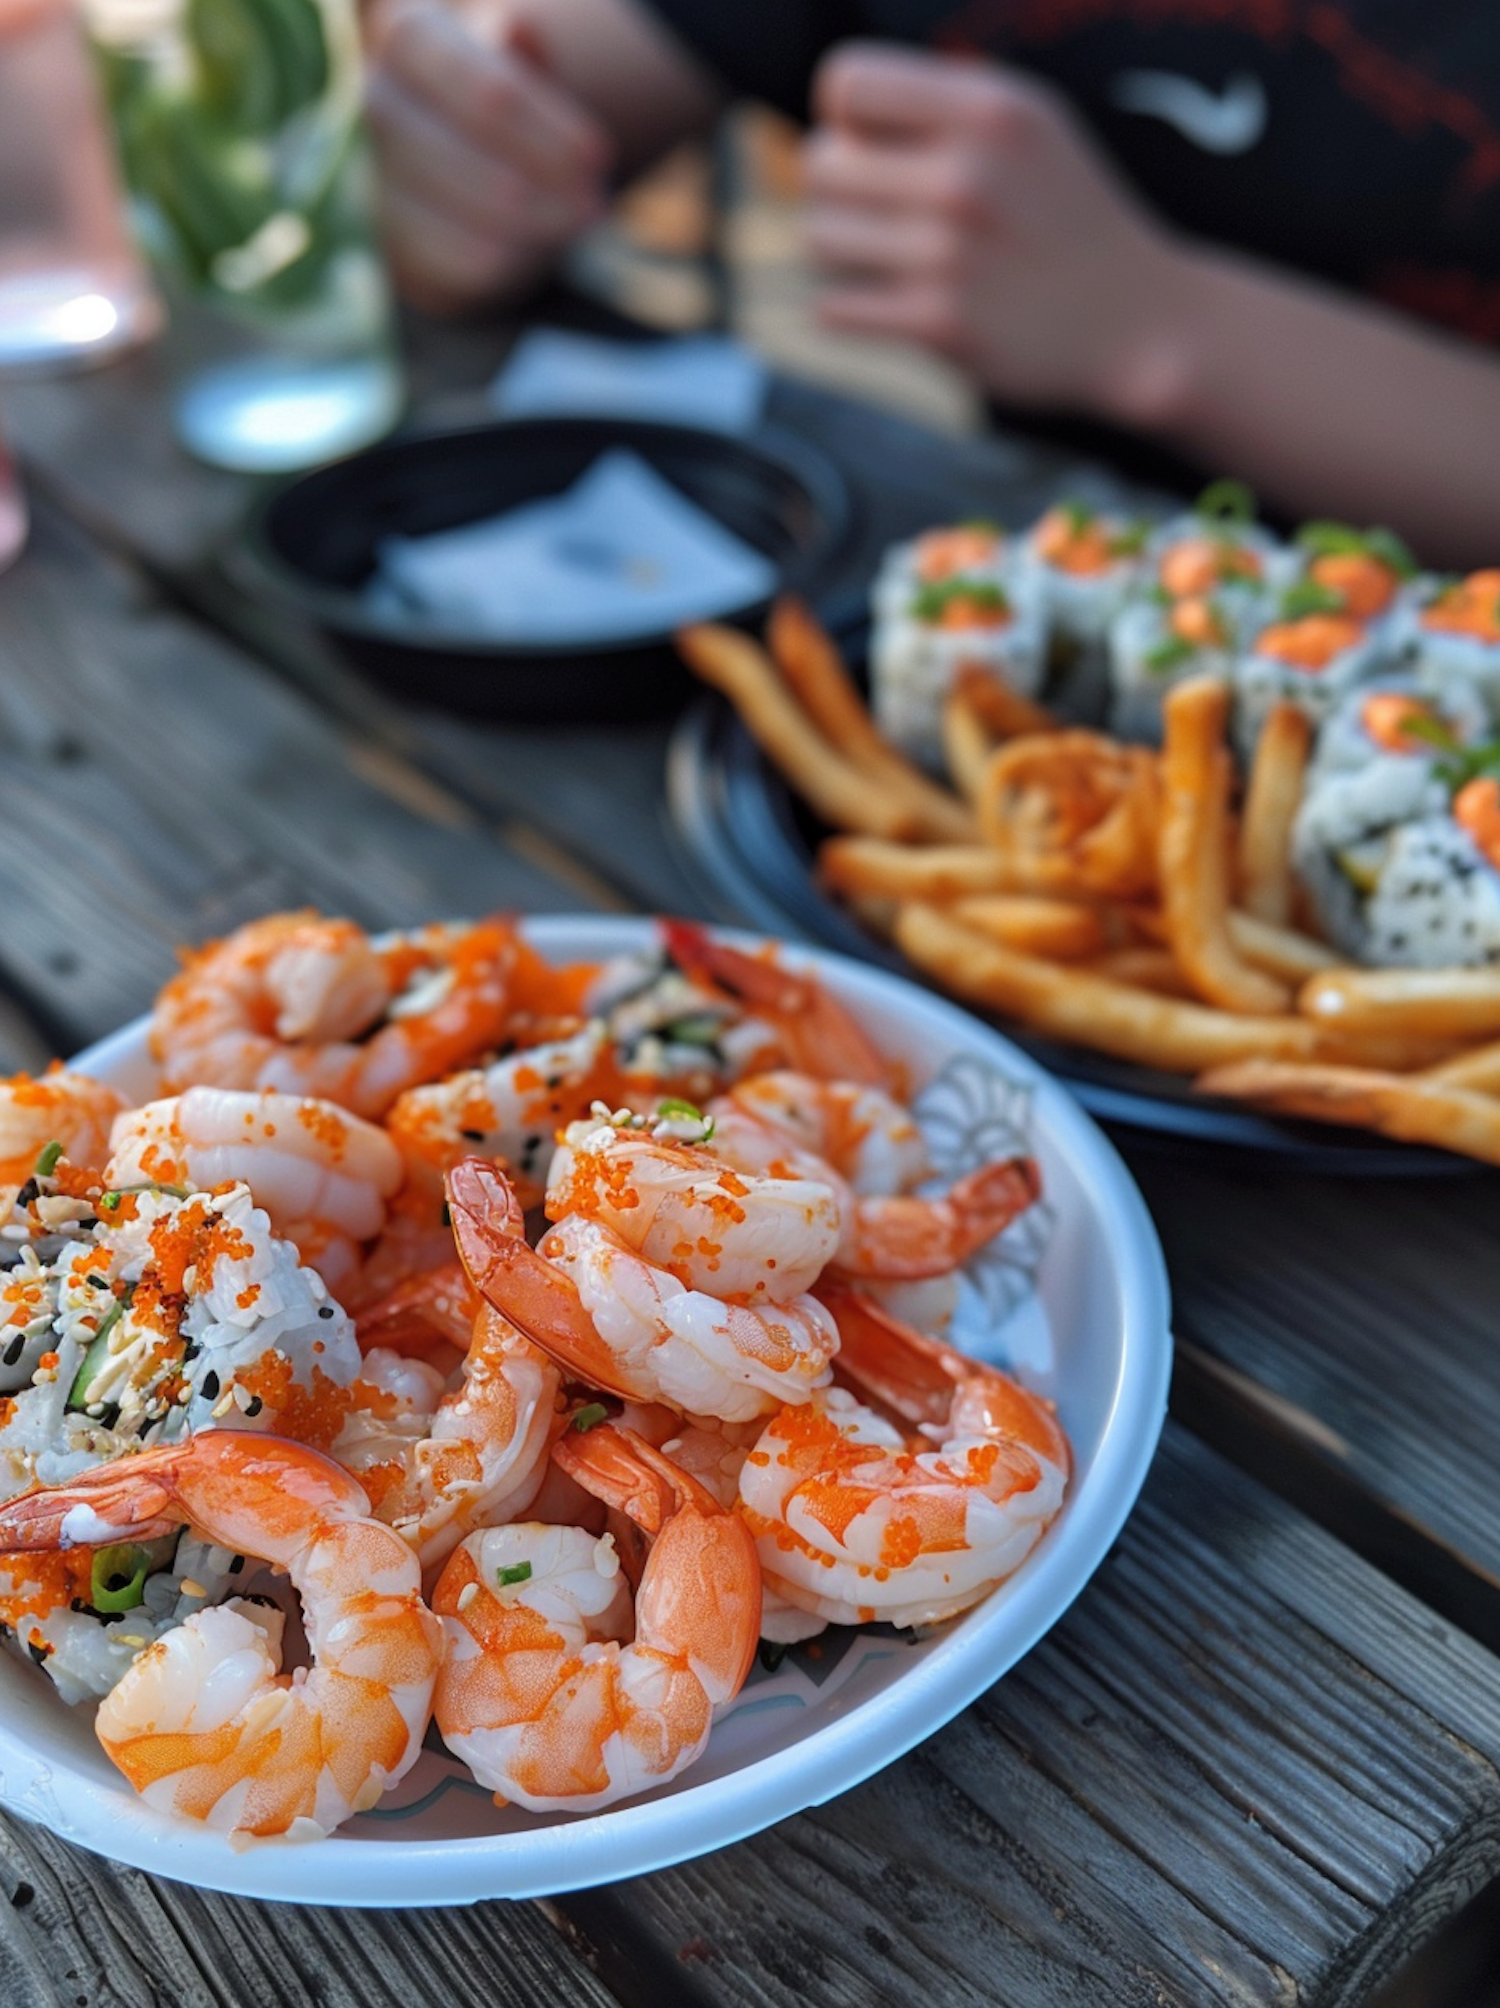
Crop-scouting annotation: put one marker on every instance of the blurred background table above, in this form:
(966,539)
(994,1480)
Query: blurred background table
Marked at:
(1260,1760)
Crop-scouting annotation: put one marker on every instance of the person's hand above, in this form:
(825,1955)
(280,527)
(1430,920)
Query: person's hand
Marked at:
(960,205)
(488,167)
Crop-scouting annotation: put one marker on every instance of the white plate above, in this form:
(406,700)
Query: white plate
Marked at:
(1093,1331)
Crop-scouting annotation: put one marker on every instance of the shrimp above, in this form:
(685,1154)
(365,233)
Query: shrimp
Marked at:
(869,1138)
(59,1106)
(313,1006)
(893,1236)
(510,1110)
(203,1724)
(613,1319)
(762,1237)
(435,1467)
(817,1034)
(856,1520)
(537,1695)
(323,1176)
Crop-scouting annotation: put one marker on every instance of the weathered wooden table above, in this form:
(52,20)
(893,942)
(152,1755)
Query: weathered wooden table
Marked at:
(1258,1762)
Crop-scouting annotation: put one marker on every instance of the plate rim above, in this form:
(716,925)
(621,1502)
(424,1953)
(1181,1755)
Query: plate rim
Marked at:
(641,1838)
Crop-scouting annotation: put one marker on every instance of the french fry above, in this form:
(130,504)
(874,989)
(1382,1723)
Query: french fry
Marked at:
(1092,1010)
(1194,853)
(1434,1003)
(1060,929)
(1003,712)
(1477,1067)
(1397,1105)
(1143,968)
(835,789)
(878,868)
(1074,813)
(1271,800)
(967,744)
(808,658)
(1281,951)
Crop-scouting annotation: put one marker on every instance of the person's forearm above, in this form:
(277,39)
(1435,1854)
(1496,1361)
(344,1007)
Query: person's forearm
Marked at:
(1327,404)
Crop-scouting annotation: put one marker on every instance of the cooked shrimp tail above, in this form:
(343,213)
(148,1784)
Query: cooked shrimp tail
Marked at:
(488,1227)
(817,1033)
(904,1238)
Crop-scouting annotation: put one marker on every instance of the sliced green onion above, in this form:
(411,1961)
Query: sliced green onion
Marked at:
(1169,654)
(47,1158)
(112,1198)
(1308,597)
(1326,540)
(98,1351)
(930,602)
(518,1572)
(590,1416)
(118,1577)
(1125,543)
(1227,502)
(1078,514)
(701,1028)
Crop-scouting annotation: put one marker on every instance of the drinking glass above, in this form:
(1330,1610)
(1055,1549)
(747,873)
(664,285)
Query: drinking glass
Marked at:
(239,129)
(72,290)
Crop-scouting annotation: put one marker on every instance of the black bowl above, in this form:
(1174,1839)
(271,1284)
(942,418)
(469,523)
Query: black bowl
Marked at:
(312,544)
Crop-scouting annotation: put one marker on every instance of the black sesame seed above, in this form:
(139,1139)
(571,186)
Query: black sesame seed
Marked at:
(210,1386)
(27,1193)
(40,1653)
(472,1136)
(254,1405)
(236,1565)
(325,1310)
(14,1350)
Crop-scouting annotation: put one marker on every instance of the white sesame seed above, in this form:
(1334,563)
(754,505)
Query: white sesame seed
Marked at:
(190,1588)
(223,1405)
(467,1595)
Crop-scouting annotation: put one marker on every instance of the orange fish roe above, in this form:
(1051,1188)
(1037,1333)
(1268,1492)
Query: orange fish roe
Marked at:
(1388,717)
(1198,564)
(1471,607)
(1310,643)
(1476,808)
(41,1583)
(961,611)
(1364,584)
(1197,621)
(312,1415)
(942,554)
(1073,541)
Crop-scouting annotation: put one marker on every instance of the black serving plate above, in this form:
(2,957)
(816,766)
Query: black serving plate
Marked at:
(311,545)
(756,841)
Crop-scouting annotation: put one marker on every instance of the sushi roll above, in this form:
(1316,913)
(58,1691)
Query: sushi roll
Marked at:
(977,550)
(1080,564)
(135,1319)
(1451,638)
(1363,574)
(941,626)
(1218,547)
(1386,765)
(1156,642)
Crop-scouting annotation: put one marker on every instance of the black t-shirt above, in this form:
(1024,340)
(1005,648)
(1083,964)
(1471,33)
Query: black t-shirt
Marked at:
(1358,140)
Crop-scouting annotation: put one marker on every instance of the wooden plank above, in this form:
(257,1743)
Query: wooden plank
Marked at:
(1339,1335)
(157,786)
(78,1932)
(1244,1769)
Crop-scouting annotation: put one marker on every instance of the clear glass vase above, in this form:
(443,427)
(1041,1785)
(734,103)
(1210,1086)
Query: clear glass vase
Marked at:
(239,130)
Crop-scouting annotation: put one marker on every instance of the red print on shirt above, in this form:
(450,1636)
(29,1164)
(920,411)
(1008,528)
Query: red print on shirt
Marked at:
(1405,97)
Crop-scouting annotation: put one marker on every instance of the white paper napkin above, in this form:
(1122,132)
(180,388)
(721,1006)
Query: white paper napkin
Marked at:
(622,554)
(707,380)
